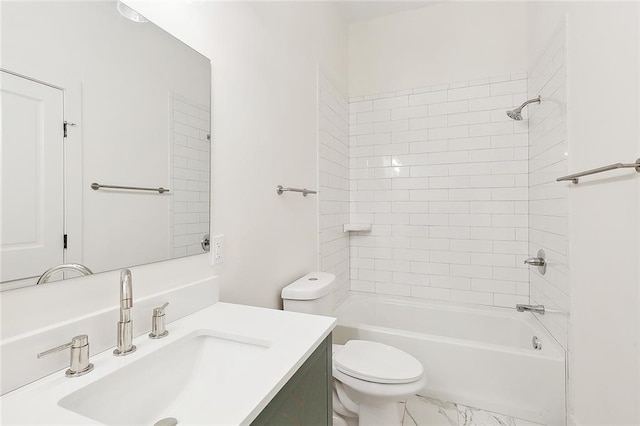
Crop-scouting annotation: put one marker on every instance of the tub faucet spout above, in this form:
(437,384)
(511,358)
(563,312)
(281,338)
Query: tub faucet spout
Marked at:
(537,309)
(125,344)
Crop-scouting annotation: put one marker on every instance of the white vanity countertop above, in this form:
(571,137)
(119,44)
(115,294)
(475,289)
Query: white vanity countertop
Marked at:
(291,337)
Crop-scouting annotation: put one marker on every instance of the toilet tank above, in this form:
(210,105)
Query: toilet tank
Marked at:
(311,294)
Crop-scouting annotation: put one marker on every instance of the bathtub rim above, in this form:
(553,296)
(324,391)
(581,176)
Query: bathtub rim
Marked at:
(552,349)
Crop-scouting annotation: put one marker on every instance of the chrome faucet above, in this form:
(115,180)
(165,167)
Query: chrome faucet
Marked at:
(65,267)
(158,330)
(537,309)
(125,344)
(79,361)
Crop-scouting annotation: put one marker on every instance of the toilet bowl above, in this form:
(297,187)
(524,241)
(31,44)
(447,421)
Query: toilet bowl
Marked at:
(371,380)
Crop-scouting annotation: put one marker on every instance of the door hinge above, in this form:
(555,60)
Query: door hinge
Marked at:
(65,126)
(64,241)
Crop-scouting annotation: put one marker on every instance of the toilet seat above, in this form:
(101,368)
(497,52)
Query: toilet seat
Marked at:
(377,363)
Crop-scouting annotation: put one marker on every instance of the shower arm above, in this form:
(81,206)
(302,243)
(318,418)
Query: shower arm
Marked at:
(530,101)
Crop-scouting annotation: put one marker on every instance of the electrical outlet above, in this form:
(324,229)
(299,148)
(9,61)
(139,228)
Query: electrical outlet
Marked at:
(217,248)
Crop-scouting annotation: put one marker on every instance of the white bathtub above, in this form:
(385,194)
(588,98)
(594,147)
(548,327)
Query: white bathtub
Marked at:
(477,356)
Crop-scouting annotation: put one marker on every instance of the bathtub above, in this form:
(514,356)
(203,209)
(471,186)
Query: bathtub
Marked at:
(477,356)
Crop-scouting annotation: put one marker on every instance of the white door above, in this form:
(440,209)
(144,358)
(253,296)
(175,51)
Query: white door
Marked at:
(32,197)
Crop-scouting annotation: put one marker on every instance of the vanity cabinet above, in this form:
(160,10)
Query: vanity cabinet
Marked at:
(306,399)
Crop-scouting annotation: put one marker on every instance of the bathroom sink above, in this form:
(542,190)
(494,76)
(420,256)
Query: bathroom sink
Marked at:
(221,365)
(172,382)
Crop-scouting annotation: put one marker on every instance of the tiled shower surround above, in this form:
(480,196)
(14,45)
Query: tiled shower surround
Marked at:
(548,199)
(442,175)
(333,176)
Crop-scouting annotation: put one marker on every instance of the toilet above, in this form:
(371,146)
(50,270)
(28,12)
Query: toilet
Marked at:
(371,380)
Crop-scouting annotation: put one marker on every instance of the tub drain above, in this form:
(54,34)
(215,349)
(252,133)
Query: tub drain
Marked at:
(169,421)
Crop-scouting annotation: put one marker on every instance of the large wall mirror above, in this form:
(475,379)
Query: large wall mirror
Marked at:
(136,103)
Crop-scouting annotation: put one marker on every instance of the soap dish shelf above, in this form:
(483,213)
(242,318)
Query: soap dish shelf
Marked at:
(356,227)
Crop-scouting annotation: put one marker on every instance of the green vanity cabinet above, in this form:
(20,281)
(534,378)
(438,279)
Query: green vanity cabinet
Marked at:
(306,399)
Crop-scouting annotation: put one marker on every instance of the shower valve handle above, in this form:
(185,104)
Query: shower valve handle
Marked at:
(535,261)
(538,261)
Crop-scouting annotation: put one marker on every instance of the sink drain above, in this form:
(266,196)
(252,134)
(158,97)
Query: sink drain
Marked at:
(169,421)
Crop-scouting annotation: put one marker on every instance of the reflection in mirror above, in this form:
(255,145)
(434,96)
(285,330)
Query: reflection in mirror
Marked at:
(89,96)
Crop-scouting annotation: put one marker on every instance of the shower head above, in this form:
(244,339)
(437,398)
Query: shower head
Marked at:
(516,114)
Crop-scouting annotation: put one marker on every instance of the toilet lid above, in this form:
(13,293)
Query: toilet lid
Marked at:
(377,362)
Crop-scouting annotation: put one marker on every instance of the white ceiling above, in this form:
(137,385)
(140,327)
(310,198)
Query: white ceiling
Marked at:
(354,11)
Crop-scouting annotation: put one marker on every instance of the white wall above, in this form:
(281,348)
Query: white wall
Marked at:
(604,210)
(264,59)
(444,42)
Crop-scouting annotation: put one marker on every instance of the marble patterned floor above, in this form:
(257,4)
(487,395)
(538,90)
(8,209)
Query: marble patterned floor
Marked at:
(423,411)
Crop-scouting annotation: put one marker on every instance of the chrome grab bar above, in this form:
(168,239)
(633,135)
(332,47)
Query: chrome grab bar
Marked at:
(574,177)
(95,186)
(280,189)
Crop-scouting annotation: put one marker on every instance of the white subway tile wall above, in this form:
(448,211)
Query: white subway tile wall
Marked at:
(189,157)
(333,176)
(442,174)
(548,199)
